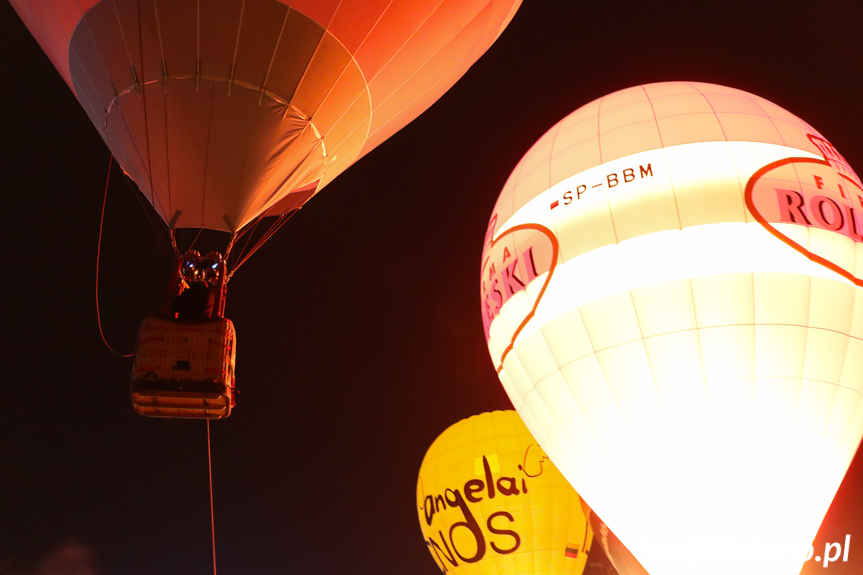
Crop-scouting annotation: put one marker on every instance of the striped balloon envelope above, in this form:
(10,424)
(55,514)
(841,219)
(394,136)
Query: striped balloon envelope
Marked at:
(226,110)
(490,503)
(670,291)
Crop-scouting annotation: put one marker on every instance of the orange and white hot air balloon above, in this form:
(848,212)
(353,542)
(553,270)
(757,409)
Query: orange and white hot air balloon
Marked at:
(671,296)
(227,110)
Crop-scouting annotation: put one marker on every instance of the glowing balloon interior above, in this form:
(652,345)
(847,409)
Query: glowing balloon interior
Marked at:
(491,503)
(231,109)
(670,294)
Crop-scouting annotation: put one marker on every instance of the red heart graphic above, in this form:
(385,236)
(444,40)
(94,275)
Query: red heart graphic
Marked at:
(809,192)
(510,262)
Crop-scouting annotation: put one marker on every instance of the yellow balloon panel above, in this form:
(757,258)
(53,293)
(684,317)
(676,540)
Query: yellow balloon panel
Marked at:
(671,296)
(490,502)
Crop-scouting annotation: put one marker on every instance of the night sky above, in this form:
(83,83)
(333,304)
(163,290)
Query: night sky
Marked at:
(359,334)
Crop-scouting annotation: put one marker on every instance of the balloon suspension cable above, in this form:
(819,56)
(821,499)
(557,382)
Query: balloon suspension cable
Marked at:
(234,236)
(174,243)
(212,515)
(155,221)
(98,256)
(192,245)
(267,235)
(230,245)
(248,232)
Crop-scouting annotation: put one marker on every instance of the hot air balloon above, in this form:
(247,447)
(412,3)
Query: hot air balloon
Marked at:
(670,291)
(228,111)
(490,502)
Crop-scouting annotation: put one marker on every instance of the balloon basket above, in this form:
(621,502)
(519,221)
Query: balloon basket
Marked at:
(184,369)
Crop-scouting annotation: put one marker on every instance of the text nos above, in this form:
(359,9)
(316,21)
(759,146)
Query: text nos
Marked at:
(466,541)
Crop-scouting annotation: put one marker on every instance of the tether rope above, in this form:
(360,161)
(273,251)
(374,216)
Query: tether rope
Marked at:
(98,255)
(212,517)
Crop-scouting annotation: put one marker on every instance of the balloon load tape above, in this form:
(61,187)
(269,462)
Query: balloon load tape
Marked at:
(184,370)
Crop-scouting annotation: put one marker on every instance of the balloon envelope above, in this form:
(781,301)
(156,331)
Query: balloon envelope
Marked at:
(670,293)
(226,110)
(491,503)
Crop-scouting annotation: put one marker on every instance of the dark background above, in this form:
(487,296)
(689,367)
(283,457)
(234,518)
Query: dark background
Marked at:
(359,333)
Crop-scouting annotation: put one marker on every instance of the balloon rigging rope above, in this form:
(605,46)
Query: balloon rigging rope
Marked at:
(98,255)
(192,245)
(251,231)
(267,235)
(157,224)
(212,518)
(102,334)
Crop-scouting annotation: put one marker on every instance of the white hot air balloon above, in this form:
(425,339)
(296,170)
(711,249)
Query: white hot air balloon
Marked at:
(671,297)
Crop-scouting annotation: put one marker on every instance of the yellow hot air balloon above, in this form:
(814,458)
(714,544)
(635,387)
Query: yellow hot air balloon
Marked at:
(491,502)
(671,297)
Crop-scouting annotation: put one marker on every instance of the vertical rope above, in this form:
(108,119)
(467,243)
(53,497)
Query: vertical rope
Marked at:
(98,255)
(212,517)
